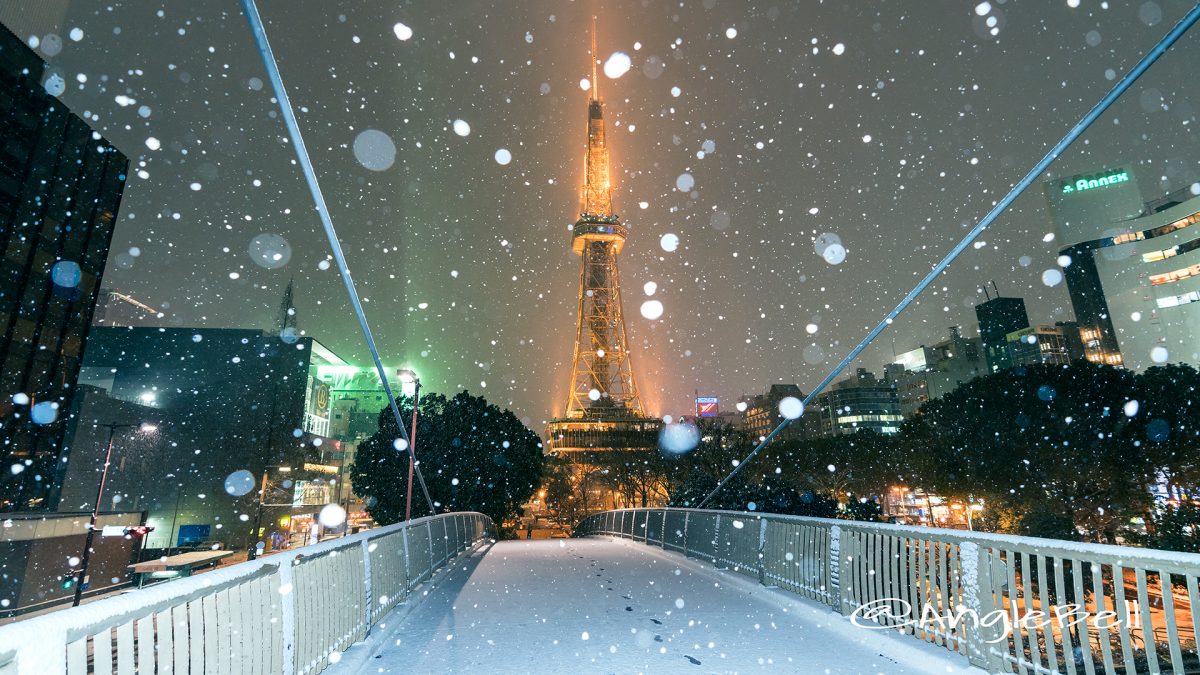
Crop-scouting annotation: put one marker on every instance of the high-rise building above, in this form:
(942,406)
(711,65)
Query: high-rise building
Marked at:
(604,409)
(997,318)
(859,402)
(1134,275)
(60,186)
(926,373)
(761,414)
(224,401)
(1051,345)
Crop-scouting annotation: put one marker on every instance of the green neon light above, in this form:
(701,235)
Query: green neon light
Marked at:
(1085,184)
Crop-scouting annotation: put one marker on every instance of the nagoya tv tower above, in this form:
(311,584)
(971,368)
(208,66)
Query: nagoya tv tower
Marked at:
(604,410)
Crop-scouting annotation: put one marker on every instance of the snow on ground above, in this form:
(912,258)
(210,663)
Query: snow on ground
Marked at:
(598,605)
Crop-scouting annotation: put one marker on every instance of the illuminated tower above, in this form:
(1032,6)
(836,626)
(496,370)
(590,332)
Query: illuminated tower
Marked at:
(604,410)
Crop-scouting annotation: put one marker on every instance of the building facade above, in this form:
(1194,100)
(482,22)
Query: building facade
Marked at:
(997,318)
(927,373)
(1134,272)
(1051,345)
(60,188)
(228,404)
(860,402)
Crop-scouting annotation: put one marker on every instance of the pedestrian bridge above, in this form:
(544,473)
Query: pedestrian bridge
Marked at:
(645,590)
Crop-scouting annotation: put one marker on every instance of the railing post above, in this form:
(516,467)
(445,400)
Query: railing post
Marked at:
(662,540)
(288,613)
(762,551)
(835,568)
(407,565)
(686,517)
(977,595)
(366,553)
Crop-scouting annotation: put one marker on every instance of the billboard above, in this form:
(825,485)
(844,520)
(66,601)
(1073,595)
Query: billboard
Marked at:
(311,493)
(1090,206)
(706,406)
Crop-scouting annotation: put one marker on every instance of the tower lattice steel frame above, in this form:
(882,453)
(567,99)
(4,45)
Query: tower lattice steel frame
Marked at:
(604,409)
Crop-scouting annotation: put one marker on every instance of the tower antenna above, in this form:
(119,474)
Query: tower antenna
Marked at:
(595,81)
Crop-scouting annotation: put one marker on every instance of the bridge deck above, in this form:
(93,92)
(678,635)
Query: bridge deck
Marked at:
(594,605)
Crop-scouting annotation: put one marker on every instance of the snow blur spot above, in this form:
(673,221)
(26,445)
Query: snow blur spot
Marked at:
(585,636)
(1131,408)
(719,221)
(1150,13)
(44,413)
(239,483)
(585,84)
(402,31)
(866,138)
(617,65)
(375,150)
(835,254)
(669,242)
(461,127)
(270,251)
(676,91)
(1157,355)
(679,438)
(503,157)
(144,111)
(652,309)
(66,274)
(332,515)
(791,407)
(679,603)
(653,67)
(731,32)
(649,288)
(594,395)
(685,182)
(51,44)
(54,84)
(153,143)
(1052,277)
(20,398)
(737,524)
(400,444)
(839,49)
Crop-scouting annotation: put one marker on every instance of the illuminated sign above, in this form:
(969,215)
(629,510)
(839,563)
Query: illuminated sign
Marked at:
(1103,180)
(706,406)
(311,493)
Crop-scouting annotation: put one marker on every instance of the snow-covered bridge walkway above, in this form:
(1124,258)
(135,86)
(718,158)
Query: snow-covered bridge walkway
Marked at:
(603,605)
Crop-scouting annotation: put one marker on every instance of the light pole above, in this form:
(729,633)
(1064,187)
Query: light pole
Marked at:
(409,377)
(91,533)
(262,493)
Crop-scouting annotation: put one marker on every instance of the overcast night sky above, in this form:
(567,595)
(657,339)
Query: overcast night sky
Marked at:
(893,125)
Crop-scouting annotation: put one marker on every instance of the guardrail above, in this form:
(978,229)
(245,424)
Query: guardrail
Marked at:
(1007,603)
(285,613)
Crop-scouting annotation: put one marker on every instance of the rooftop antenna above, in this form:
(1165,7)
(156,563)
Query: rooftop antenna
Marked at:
(595,82)
(996,288)
(985,293)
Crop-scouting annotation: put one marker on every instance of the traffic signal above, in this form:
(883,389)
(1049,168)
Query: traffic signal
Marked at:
(68,581)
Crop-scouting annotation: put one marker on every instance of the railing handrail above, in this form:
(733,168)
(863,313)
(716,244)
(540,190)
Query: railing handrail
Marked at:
(71,624)
(892,575)
(1067,548)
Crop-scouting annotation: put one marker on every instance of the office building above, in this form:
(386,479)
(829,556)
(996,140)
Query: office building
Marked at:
(860,402)
(997,318)
(224,401)
(1050,345)
(927,373)
(60,187)
(760,414)
(1134,272)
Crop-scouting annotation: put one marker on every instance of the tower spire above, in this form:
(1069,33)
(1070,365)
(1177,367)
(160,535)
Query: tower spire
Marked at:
(595,80)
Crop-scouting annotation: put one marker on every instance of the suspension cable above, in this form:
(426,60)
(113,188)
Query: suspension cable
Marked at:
(310,175)
(1082,125)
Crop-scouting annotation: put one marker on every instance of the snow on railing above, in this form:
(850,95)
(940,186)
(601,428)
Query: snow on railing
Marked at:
(286,613)
(1024,603)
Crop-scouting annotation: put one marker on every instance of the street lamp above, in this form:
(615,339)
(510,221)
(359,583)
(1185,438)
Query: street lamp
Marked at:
(262,493)
(144,427)
(408,377)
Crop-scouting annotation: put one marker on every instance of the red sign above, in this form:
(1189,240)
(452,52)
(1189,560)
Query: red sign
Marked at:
(706,406)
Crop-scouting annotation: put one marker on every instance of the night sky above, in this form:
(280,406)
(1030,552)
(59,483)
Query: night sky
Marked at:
(894,125)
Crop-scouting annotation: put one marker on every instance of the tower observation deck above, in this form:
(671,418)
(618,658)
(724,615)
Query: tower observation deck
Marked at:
(604,409)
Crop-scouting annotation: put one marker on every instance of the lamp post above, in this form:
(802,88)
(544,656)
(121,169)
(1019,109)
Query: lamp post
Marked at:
(409,377)
(258,512)
(86,558)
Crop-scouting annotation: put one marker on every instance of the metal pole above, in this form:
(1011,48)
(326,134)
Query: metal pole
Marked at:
(412,450)
(91,533)
(174,519)
(262,491)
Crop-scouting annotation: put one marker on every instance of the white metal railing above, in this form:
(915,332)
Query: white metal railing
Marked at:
(1008,603)
(286,613)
